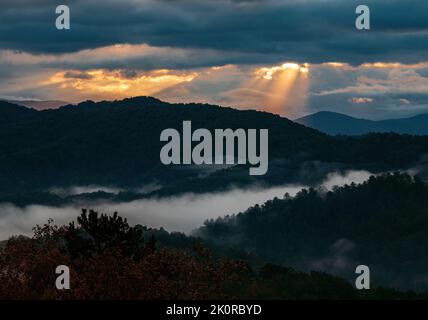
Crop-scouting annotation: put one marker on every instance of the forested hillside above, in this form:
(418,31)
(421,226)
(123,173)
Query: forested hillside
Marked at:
(117,144)
(382,223)
(109,259)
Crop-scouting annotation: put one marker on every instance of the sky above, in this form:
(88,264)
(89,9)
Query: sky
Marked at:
(290,57)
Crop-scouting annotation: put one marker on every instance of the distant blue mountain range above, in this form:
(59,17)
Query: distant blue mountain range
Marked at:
(336,123)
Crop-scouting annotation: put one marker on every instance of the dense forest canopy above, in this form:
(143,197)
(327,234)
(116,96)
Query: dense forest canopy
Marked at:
(109,259)
(382,223)
(117,144)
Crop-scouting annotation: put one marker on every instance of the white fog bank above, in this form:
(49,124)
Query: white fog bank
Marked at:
(179,213)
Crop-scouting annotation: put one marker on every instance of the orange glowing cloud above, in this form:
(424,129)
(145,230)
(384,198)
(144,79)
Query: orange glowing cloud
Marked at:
(361,100)
(385,65)
(117,83)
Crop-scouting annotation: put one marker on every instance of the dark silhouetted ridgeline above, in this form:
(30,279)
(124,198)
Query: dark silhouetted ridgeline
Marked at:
(117,144)
(336,123)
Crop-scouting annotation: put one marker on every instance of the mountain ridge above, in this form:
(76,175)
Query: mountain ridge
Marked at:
(116,143)
(38,104)
(335,123)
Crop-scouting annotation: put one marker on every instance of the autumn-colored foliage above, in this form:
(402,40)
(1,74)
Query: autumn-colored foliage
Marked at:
(108,259)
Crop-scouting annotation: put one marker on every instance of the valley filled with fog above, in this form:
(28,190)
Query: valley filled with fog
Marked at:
(182,213)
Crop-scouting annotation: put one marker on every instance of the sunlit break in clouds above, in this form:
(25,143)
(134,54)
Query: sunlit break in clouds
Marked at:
(286,87)
(268,73)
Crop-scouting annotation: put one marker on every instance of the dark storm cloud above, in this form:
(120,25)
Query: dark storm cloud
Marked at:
(170,58)
(73,74)
(271,31)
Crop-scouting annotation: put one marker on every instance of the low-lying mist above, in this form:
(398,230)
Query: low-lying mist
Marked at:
(178,213)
